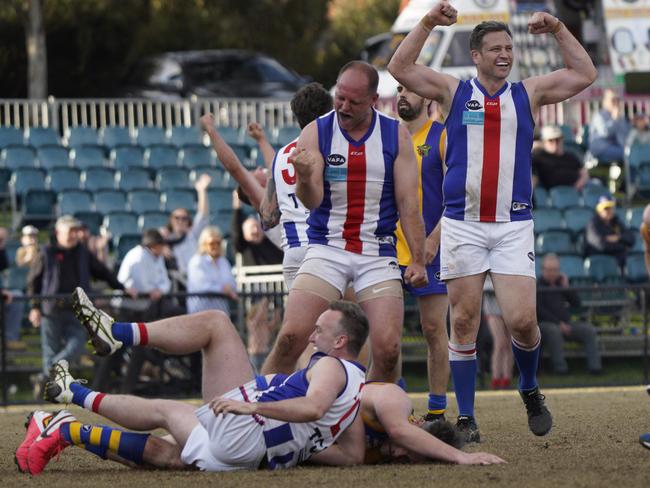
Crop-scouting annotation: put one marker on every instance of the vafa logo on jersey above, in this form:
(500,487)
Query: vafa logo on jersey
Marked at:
(336,159)
(473,105)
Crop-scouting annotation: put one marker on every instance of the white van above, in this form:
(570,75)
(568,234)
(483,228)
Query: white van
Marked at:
(447,48)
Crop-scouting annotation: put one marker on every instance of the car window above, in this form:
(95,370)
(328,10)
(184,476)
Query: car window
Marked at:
(273,71)
(458,53)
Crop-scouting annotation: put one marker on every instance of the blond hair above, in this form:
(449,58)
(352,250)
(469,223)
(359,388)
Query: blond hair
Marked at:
(210,232)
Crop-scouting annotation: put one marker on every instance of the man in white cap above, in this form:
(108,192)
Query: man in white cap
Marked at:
(552,166)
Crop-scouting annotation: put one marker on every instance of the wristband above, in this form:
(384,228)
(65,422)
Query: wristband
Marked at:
(426,24)
(557,27)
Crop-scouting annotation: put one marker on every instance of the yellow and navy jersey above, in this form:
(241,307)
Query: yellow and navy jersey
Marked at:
(429,144)
(645,235)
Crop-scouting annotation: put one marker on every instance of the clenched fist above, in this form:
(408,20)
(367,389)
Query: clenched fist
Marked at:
(542,22)
(207,122)
(442,14)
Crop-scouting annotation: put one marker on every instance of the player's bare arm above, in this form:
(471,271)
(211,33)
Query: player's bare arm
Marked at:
(231,162)
(326,379)
(309,165)
(418,78)
(579,71)
(406,178)
(348,450)
(432,244)
(256,131)
(269,208)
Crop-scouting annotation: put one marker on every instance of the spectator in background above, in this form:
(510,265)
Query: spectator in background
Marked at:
(260,330)
(28,250)
(210,272)
(640,132)
(143,269)
(644,439)
(59,268)
(554,315)
(552,166)
(248,238)
(182,232)
(608,130)
(606,234)
(502,359)
(98,245)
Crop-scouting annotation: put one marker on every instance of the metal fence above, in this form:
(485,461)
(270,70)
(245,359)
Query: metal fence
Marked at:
(63,113)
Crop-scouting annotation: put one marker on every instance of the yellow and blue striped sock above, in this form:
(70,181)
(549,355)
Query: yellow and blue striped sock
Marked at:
(437,404)
(100,439)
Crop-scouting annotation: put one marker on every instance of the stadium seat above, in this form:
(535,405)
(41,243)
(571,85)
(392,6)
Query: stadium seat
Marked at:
(110,201)
(127,157)
(160,156)
(125,243)
(547,219)
(38,206)
(643,180)
(42,136)
(80,135)
(23,179)
(635,271)
(286,135)
(564,196)
(15,278)
(141,201)
(11,136)
(602,268)
(572,266)
(112,136)
(173,199)
(591,193)
(577,218)
(180,135)
(170,178)
(231,135)
(575,149)
(634,217)
(555,241)
(5,177)
(217,175)
(219,199)
(133,178)
(53,157)
(92,220)
(148,136)
(11,247)
(152,220)
(635,156)
(540,197)
(195,155)
(243,153)
(567,133)
(98,178)
(73,201)
(638,244)
(222,219)
(119,223)
(86,156)
(63,179)
(14,157)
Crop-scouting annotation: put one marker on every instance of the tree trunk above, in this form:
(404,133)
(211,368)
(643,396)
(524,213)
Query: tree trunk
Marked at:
(36,51)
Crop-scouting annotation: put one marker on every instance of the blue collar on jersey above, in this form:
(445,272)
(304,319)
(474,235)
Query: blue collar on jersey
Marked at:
(365,136)
(484,91)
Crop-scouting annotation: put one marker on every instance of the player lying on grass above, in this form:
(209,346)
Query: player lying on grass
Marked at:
(385,406)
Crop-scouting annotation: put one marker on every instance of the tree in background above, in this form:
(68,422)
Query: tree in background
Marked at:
(93,44)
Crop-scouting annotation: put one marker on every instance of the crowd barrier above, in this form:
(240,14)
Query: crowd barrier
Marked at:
(620,313)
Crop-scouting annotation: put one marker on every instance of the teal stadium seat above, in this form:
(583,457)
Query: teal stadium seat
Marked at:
(120,223)
(87,156)
(98,178)
(148,135)
(53,157)
(92,219)
(133,178)
(127,157)
(635,271)
(171,178)
(577,218)
(547,219)
(113,136)
(38,206)
(42,136)
(152,220)
(643,180)
(107,201)
(181,136)
(11,136)
(636,155)
(540,197)
(591,193)
(73,201)
(15,278)
(555,241)
(63,179)
(286,135)
(23,179)
(125,243)
(219,199)
(564,196)
(195,155)
(602,268)
(172,199)
(243,153)
(217,174)
(161,156)
(572,266)
(634,217)
(222,219)
(14,157)
(80,135)
(231,135)
(141,201)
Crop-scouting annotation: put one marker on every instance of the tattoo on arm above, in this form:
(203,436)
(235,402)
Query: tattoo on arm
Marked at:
(269,208)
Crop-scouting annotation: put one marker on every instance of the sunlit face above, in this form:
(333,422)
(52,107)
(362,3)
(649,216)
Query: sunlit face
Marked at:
(495,57)
(180,221)
(67,237)
(327,334)
(551,269)
(213,246)
(409,104)
(252,231)
(554,146)
(352,100)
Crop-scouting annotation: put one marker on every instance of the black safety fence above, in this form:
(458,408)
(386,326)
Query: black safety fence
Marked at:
(619,313)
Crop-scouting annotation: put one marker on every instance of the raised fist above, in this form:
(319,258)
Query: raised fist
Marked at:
(207,122)
(542,22)
(442,14)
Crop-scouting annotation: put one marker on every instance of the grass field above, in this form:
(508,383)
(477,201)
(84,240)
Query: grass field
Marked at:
(594,443)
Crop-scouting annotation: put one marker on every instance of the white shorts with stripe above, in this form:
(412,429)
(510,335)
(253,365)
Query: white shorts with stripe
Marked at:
(293,258)
(227,442)
(341,268)
(468,248)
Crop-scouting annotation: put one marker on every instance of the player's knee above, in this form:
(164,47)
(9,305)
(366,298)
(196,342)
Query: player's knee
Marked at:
(386,357)
(524,324)
(288,345)
(464,325)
